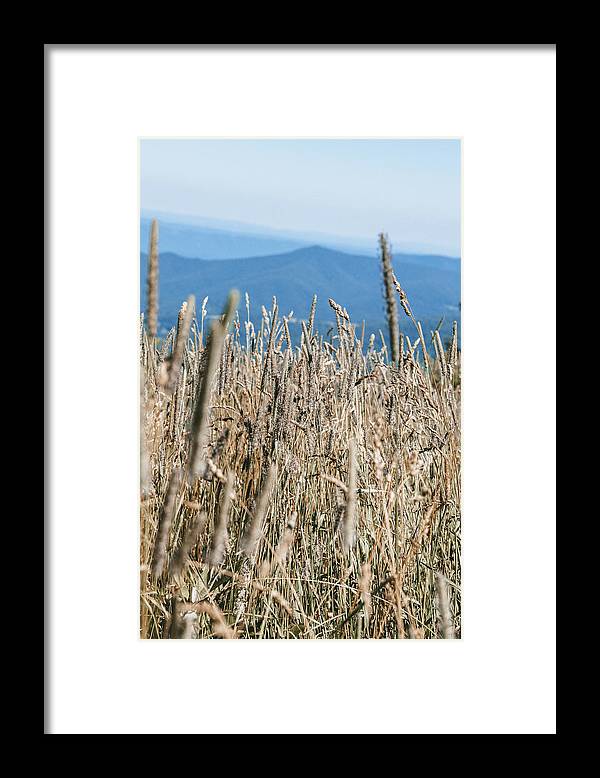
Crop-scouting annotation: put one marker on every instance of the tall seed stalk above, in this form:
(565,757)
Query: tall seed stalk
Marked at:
(152,282)
(390,297)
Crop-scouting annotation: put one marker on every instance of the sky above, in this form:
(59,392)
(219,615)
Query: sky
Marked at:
(409,189)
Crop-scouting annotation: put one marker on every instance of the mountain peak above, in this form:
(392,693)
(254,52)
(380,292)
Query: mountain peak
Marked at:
(316,251)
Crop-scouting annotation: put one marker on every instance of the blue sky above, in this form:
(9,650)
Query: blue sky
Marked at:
(351,188)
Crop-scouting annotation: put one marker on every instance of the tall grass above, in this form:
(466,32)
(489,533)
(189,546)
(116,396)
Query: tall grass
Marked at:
(307,492)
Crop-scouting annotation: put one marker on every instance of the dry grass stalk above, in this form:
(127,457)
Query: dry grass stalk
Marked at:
(186,315)
(283,547)
(403,298)
(199,432)
(270,346)
(190,539)
(364,586)
(443,603)
(221,628)
(164,524)
(441,355)
(145,471)
(218,547)
(390,298)
(192,610)
(188,621)
(288,338)
(253,530)
(426,359)
(306,340)
(152,282)
(349,523)
(454,345)
(311,316)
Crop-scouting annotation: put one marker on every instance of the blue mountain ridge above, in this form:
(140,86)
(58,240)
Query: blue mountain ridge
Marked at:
(192,241)
(431,282)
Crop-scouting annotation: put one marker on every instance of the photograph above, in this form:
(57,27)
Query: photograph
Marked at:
(300,388)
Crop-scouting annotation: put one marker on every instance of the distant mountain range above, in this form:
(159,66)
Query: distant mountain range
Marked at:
(431,282)
(193,236)
(209,242)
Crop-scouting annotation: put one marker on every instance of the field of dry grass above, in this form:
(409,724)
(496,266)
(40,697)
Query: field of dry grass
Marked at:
(306,490)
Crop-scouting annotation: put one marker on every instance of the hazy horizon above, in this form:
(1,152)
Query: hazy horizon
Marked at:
(350,189)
